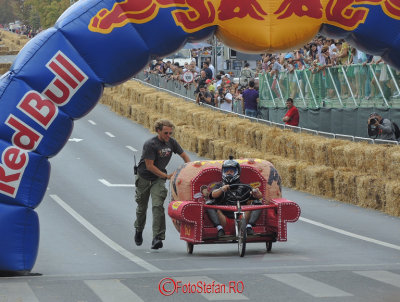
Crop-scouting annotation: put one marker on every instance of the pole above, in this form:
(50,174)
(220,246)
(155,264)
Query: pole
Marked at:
(215,55)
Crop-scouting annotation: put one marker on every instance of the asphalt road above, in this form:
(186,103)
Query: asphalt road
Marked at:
(7,59)
(335,252)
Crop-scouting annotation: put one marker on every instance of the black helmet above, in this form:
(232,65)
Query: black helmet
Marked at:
(230,165)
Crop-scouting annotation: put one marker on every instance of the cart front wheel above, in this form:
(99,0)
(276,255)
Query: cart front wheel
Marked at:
(242,236)
(189,247)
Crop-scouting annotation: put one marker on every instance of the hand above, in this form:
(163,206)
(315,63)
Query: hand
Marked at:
(210,202)
(225,188)
(256,193)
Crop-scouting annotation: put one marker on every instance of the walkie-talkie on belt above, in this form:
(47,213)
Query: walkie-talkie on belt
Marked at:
(135,166)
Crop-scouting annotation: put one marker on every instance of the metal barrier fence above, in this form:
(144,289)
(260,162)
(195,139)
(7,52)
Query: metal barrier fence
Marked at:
(187,92)
(353,86)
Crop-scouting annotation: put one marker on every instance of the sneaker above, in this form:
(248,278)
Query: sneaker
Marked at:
(249,230)
(156,243)
(220,233)
(138,238)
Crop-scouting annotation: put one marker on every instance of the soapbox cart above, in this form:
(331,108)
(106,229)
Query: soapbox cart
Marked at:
(193,181)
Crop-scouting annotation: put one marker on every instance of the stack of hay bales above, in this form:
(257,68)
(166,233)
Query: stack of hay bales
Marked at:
(357,173)
(12,43)
(4,67)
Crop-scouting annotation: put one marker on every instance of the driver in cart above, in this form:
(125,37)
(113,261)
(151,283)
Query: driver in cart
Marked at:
(223,194)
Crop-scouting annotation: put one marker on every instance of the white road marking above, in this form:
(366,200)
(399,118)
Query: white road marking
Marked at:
(96,232)
(17,291)
(309,286)
(112,291)
(109,134)
(382,276)
(221,290)
(93,123)
(106,183)
(75,140)
(343,232)
(131,148)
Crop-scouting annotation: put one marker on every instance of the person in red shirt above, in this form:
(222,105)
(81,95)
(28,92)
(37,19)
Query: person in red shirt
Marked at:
(292,115)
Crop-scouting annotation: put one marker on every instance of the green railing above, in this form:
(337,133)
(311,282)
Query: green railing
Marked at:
(375,85)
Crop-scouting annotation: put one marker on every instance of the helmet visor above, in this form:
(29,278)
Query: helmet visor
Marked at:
(232,171)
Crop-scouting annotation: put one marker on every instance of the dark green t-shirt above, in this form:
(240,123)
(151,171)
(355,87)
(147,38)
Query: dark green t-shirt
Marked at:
(160,152)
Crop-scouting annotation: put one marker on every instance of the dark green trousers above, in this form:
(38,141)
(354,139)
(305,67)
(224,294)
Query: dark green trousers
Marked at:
(158,192)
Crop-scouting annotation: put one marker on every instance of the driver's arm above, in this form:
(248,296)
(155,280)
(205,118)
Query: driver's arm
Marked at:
(218,192)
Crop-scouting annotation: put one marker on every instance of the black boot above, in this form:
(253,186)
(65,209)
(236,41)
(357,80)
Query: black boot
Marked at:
(156,243)
(138,238)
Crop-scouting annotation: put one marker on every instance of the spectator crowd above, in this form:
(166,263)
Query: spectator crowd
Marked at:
(223,90)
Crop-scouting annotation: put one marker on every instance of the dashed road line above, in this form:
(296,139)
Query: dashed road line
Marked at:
(108,184)
(131,148)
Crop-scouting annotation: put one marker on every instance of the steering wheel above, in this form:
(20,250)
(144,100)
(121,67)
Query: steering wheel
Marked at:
(242,198)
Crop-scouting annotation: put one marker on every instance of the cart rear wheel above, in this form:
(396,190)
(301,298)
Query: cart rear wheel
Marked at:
(189,247)
(242,236)
(269,246)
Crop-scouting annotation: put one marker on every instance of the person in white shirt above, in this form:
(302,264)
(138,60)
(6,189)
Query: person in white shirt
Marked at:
(211,66)
(226,100)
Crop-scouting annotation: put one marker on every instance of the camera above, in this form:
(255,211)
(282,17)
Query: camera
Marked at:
(372,121)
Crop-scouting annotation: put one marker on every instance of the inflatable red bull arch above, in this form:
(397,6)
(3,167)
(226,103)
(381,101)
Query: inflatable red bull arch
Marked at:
(60,74)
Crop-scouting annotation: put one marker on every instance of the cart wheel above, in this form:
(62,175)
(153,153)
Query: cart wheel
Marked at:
(189,247)
(269,246)
(242,236)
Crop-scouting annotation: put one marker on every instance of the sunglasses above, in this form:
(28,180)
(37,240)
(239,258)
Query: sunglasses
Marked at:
(170,133)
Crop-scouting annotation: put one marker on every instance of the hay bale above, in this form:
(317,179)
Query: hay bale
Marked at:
(238,131)
(258,133)
(289,145)
(230,149)
(370,192)
(187,137)
(306,147)
(215,127)
(203,144)
(323,150)
(253,153)
(393,170)
(287,169)
(345,181)
(269,136)
(217,149)
(153,117)
(392,194)
(208,120)
(320,180)
(338,160)
(375,159)
(137,112)
(301,175)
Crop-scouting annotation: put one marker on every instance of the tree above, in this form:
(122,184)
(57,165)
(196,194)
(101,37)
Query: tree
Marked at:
(21,10)
(48,10)
(6,12)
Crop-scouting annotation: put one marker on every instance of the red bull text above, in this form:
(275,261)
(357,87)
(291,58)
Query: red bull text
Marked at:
(42,109)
